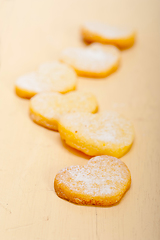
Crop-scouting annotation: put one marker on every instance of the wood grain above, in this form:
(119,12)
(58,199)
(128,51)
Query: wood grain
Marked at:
(35,31)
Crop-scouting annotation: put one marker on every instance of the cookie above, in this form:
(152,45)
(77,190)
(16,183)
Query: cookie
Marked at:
(46,108)
(106,133)
(99,32)
(95,60)
(54,76)
(101,182)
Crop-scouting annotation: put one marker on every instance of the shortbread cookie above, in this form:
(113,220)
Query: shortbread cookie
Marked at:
(106,133)
(101,182)
(99,32)
(54,76)
(95,60)
(46,108)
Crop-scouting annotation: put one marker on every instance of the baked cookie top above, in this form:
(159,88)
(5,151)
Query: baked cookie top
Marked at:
(102,182)
(53,76)
(106,133)
(48,107)
(95,60)
(122,37)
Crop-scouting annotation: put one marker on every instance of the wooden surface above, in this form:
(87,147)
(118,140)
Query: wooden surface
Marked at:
(35,31)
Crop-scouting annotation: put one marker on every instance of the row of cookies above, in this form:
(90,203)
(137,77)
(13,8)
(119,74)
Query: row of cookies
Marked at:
(104,180)
(106,133)
(95,60)
(50,109)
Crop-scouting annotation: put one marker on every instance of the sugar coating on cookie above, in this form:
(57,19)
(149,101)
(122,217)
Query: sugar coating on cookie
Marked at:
(53,76)
(106,133)
(122,37)
(101,182)
(95,60)
(46,108)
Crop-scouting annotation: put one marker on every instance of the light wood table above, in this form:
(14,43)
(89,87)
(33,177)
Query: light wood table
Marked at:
(35,31)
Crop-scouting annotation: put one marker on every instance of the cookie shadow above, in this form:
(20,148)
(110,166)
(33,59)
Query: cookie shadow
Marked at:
(74,151)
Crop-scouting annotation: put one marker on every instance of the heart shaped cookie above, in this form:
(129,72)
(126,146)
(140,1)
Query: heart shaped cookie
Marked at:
(46,108)
(106,133)
(122,37)
(101,182)
(95,60)
(54,76)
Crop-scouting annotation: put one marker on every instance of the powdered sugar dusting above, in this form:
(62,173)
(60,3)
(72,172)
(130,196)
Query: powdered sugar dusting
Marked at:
(102,176)
(53,76)
(107,31)
(94,58)
(54,105)
(108,127)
